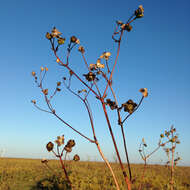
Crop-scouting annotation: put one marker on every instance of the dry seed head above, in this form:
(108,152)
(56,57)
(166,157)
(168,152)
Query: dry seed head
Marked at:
(139,12)
(55,32)
(76,157)
(70,143)
(144,92)
(45,91)
(61,41)
(128,27)
(92,66)
(50,146)
(41,68)
(162,135)
(46,68)
(60,140)
(77,41)
(105,55)
(58,83)
(81,49)
(48,36)
(73,39)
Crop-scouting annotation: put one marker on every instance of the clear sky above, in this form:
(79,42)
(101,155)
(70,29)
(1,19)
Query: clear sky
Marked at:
(155,55)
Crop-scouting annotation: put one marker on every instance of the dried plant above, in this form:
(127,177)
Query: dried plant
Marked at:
(102,71)
(61,153)
(168,141)
(170,138)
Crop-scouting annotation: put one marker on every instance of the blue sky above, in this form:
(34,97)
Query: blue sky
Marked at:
(155,55)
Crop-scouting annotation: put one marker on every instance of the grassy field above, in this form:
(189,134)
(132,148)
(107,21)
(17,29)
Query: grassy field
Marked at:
(25,174)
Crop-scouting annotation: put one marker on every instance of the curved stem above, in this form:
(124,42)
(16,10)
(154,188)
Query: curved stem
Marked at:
(108,165)
(92,141)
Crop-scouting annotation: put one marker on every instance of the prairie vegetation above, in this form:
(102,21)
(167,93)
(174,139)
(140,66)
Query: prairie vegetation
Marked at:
(25,174)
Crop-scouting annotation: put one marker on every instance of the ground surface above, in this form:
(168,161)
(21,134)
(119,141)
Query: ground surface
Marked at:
(28,174)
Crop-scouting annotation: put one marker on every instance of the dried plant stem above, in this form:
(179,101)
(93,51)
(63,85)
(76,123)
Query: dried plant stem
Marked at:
(111,75)
(65,171)
(87,105)
(128,183)
(66,66)
(143,174)
(73,128)
(97,144)
(172,166)
(122,131)
(108,165)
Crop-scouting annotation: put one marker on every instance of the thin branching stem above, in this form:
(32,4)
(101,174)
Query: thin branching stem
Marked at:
(111,75)
(122,131)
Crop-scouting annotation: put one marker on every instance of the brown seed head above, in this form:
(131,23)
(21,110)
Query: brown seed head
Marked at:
(50,146)
(76,157)
(45,91)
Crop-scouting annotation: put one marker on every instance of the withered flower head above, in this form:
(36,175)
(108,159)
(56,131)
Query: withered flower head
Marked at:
(61,41)
(139,12)
(144,92)
(129,106)
(48,36)
(128,27)
(81,49)
(70,143)
(162,135)
(99,65)
(58,83)
(73,39)
(50,146)
(76,157)
(60,140)
(173,139)
(33,74)
(105,55)
(55,33)
(46,68)
(92,66)
(144,143)
(77,41)
(45,91)
(111,103)
(90,76)
(41,68)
